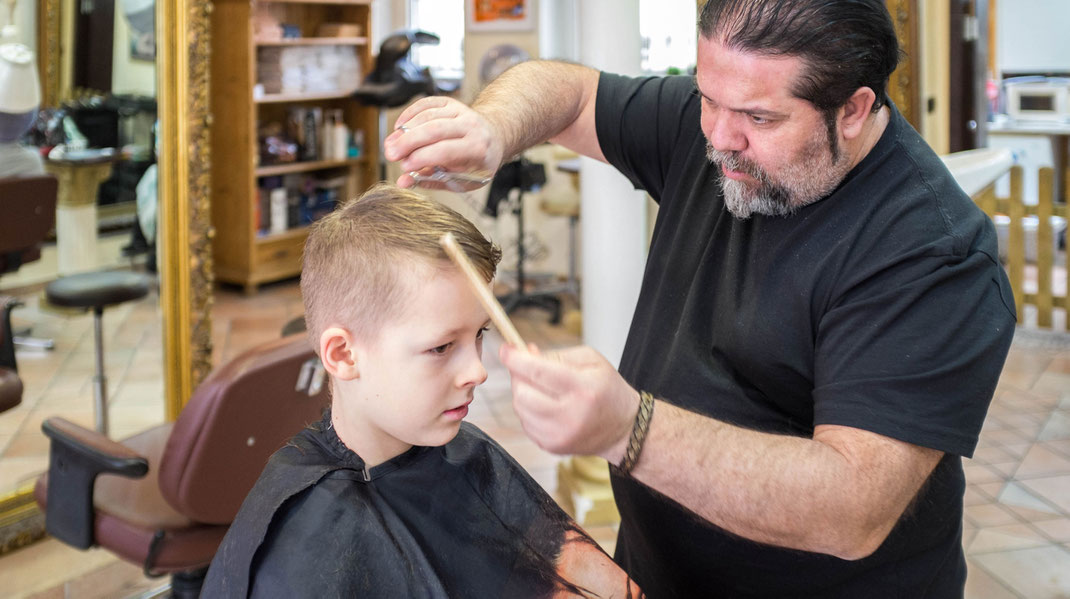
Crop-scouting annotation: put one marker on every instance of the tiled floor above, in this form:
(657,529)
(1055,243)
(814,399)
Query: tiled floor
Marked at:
(1017,503)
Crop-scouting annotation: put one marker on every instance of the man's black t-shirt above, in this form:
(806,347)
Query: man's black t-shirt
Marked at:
(881,307)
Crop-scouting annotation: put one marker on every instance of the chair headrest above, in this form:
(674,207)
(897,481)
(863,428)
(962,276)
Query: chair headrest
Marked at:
(240,415)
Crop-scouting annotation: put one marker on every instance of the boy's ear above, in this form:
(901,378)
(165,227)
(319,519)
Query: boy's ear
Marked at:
(338,353)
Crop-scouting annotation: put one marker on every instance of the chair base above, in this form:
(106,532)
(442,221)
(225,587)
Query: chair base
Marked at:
(187,585)
(546,301)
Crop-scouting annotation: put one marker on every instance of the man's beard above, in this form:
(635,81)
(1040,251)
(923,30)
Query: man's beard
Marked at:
(809,176)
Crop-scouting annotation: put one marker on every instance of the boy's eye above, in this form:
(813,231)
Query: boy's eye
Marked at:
(440,349)
(481,332)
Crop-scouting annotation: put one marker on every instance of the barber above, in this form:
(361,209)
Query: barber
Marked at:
(822,320)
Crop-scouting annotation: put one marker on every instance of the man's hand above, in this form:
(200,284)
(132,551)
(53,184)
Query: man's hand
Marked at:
(443,132)
(572,401)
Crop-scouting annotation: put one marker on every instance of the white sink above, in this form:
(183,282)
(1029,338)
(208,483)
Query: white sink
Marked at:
(976,169)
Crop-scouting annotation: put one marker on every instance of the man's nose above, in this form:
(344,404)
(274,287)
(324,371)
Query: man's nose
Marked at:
(724,132)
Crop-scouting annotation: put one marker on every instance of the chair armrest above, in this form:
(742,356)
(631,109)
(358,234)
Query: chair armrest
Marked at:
(76,456)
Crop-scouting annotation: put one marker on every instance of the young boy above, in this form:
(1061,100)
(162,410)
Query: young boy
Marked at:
(391,495)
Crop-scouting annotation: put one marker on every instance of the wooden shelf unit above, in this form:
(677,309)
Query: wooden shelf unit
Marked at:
(242,254)
(314,41)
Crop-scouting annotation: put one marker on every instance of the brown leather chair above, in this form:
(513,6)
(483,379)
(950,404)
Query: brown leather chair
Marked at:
(27,214)
(10,383)
(181,484)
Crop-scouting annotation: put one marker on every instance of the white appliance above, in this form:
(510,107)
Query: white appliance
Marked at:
(1044,99)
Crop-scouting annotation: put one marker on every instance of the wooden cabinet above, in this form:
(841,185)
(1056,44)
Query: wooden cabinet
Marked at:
(268,63)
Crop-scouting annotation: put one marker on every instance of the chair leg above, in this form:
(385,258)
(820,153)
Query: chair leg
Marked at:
(100,382)
(187,585)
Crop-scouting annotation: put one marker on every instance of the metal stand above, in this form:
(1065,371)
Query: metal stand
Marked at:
(100,382)
(546,300)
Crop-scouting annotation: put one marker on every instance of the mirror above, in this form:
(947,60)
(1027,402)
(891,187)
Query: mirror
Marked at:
(180,76)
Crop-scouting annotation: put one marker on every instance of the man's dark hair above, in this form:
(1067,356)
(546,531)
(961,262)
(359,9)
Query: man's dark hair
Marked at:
(845,44)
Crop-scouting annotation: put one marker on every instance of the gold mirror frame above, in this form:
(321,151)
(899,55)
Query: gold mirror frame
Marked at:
(185,253)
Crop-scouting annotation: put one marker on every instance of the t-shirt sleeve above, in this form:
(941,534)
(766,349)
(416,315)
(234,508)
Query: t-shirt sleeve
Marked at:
(640,121)
(914,349)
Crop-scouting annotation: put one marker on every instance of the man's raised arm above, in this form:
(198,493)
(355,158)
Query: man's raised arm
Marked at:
(530,103)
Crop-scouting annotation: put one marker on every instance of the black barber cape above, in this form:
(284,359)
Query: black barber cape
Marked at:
(461,520)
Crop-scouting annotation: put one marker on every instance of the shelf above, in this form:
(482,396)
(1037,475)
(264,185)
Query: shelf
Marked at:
(288,234)
(280,98)
(354,2)
(304,167)
(314,41)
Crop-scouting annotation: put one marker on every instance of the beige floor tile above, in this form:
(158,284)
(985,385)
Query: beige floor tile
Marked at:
(1010,436)
(1041,462)
(16,472)
(981,585)
(38,567)
(993,455)
(1057,530)
(1054,383)
(1006,469)
(978,473)
(992,489)
(1005,538)
(1057,427)
(11,421)
(1037,573)
(1056,490)
(974,496)
(27,445)
(1061,446)
(987,515)
(117,579)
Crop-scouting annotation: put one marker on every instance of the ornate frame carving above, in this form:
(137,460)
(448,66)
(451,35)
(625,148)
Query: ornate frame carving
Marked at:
(183,47)
(903,84)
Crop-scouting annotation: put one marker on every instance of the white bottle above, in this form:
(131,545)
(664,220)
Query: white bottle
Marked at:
(327,145)
(340,137)
(278,209)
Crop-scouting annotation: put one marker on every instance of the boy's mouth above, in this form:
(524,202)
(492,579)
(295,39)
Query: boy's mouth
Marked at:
(457,413)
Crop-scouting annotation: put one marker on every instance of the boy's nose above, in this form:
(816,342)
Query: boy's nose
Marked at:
(473,374)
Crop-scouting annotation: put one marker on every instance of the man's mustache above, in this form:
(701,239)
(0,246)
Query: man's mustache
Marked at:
(735,162)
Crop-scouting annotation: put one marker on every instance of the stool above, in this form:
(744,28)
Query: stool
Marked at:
(97,290)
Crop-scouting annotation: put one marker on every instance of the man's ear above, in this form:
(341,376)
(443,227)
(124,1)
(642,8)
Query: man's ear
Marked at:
(853,114)
(338,353)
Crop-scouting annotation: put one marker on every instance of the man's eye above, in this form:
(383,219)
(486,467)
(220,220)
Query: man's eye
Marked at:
(758,120)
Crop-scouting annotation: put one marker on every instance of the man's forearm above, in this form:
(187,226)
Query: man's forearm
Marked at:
(538,100)
(806,494)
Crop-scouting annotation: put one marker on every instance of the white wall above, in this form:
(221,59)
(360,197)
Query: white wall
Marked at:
(1033,35)
(128,76)
(25,21)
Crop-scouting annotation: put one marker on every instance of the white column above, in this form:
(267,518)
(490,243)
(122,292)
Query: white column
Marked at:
(613,212)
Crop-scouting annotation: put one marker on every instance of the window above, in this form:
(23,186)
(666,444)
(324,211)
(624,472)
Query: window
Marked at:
(667,29)
(444,18)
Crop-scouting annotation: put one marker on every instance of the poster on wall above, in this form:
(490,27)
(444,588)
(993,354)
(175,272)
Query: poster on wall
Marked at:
(141,18)
(500,15)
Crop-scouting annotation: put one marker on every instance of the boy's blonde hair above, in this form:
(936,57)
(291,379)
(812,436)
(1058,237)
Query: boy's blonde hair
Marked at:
(352,256)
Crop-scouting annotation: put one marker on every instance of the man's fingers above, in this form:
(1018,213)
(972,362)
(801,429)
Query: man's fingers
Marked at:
(546,372)
(419,106)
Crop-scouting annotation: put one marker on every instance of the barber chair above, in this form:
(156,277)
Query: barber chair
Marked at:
(10,383)
(180,484)
(396,80)
(27,215)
